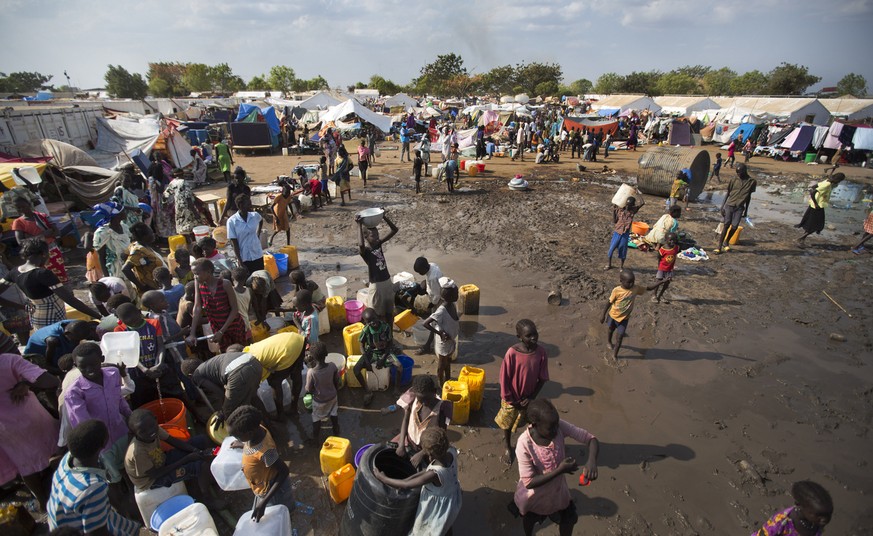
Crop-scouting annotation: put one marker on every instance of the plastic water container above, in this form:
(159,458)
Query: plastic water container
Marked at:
(265,393)
(200,231)
(407,363)
(259,332)
(220,236)
(351,379)
(403,277)
(420,334)
(281,263)
(194,520)
(363,296)
(354,310)
(340,483)
(337,286)
(360,453)
(472,171)
(336,313)
(323,322)
(378,379)
(736,236)
(121,348)
(335,453)
(625,191)
(220,206)
(405,320)
(270,266)
(168,509)
(148,500)
(226,467)
(275,521)
(176,242)
(351,338)
(340,361)
(457,393)
(475,380)
(468,300)
(291,251)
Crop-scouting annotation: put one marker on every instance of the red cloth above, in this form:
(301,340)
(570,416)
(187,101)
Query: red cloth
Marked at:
(315,186)
(520,372)
(668,258)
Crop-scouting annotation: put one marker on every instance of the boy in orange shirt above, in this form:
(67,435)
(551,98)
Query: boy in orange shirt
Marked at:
(620,306)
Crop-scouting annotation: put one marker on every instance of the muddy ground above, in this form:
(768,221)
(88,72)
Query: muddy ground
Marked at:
(719,400)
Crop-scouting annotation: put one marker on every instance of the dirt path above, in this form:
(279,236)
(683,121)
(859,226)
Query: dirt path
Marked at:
(720,399)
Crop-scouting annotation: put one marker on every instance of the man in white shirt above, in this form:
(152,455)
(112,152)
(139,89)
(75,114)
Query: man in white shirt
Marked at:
(243,230)
(432,274)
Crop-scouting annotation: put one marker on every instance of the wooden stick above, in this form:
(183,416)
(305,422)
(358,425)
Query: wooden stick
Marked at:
(837,304)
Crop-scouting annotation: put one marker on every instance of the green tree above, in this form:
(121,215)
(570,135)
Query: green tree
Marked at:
(719,82)
(608,83)
(196,77)
(125,85)
(694,71)
(236,83)
(790,79)
(852,84)
(316,84)
(434,76)
(172,73)
(534,75)
(385,87)
(221,76)
(751,83)
(498,81)
(281,78)
(580,87)
(158,87)
(23,82)
(258,83)
(676,83)
(641,82)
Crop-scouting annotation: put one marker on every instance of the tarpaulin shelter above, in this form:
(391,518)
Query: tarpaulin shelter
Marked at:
(746,129)
(680,133)
(579,123)
(320,101)
(800,138)
(621,103)
(353,107)
(255,127)
(401,100)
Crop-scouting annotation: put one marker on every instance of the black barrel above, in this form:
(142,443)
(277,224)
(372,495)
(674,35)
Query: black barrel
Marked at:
(375,509)
(659,166)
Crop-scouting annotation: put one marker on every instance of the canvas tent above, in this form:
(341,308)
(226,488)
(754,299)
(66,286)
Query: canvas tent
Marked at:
(849,109)
(401,100)
(685,105)
(764,109)
(320,101)
(353,107)
(616,104)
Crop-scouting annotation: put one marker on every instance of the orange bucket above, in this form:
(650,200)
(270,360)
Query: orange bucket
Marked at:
(640,228)
(172,417)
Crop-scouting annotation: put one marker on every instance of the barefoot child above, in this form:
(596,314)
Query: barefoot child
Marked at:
(622,219)
(322,382)
(444,324)
(812,511)
(376,345)
(265,472)
(666,261)
(440,500)
(239,276)
(620,306)
(542,490)
(422,410)
(716,168)
(523,373)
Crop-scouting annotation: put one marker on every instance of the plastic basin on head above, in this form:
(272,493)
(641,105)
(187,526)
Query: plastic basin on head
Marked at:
(371,217)
(360,454)
(168,509)
(354,310)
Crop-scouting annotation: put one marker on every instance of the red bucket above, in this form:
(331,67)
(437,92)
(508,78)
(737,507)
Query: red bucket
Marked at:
(172,417)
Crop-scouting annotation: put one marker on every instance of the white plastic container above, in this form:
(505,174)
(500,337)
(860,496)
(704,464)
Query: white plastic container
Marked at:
(340,361)
(363,296)
(121,348)
(323,322)
(265,393)
(420,334)
(227,467)
(147,500)
(337,286)
(192,521)
(275,521)
(403,277)
(378,379)
(200,231)
(625,191)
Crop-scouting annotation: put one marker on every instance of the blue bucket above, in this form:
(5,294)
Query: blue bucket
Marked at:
(407,363)
(281,263)
(360,454)
(169,508)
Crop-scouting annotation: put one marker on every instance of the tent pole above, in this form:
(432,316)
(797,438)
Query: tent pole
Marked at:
(60,194)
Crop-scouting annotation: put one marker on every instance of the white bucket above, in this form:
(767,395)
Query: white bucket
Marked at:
(363,296)
(337,286)
(121,348)
(201,231)
(378,379)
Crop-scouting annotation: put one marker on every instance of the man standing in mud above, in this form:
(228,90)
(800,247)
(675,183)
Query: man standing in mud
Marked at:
(735,206)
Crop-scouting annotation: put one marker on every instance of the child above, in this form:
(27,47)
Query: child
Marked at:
(186,306)
(417,164)
(300,282)
(666,261)
(314,186)
(216,299)
(322,382)
(172,292)
(444,324)
(716,168)
(149,467)
(281,220)
(523,373)
(239,276)
(622,219)
(732,149)
(183,272)
(209,247)
(620,306)
(363,160)
(812,511)
(747,150)
(265,472)
(422,410)
(322,166)
(376,344)
(441,497)
(677,191)
(306,317)
(542,490)
(93,270)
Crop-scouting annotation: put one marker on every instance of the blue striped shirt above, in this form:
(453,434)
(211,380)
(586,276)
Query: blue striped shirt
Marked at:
(79,500)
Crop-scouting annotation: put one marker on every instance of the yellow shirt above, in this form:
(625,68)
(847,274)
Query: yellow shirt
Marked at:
(277,352)
(822,194)
(622,300)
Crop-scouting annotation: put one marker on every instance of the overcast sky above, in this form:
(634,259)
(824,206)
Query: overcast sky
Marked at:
(349,40)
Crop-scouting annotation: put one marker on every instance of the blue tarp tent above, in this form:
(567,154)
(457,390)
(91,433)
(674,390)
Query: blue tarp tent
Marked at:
(269,115)
(606,112)
(745,129)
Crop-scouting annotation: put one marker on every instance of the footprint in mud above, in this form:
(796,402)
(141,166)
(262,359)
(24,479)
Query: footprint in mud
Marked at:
(612,362)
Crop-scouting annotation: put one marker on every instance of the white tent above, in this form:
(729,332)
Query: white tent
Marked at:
(849,109)
(786,109)
(320,101)
(685,105)
(616,104)
(401,99)
(351,106)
